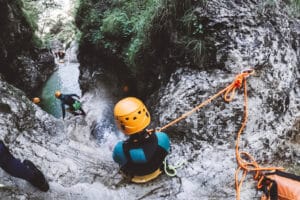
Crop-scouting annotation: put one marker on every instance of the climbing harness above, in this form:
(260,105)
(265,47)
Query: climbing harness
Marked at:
(171,170)
(76,105)
(243,166)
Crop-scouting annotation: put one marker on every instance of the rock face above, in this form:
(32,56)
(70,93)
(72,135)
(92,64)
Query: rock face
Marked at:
(246,35)
(21,62)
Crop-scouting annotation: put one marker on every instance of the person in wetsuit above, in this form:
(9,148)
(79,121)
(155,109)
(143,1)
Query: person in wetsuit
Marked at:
(141,156)
(73,104)
(25,170)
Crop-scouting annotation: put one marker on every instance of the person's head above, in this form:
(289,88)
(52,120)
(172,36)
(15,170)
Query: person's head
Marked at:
(36,100)
(57,94)
(131,115)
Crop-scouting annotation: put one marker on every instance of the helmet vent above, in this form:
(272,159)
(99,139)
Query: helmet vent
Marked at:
(134,118)
(127,118)
(139,112)
(147,114)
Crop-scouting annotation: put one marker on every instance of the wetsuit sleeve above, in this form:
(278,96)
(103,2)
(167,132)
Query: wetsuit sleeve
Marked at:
(12,165)
(163,141)
(25,170)
(63,110)
(119,155)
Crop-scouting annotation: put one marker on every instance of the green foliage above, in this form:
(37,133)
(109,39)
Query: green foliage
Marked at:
(37,41)
(296,7)
(131,52)
(195,48)
(138,31)
(117,25)
(31,14)
(296,2)
(123,27)
(191,24)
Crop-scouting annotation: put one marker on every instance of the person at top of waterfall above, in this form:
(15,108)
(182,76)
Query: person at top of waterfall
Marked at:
(68,100)
(25,170)
(61,54)
(141,156)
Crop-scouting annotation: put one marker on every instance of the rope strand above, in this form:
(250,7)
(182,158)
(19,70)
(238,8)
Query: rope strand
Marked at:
(252,165)
(229,90)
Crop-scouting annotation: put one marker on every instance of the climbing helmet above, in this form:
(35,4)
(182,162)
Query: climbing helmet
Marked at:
(57,94)
(131,115)
(36,100)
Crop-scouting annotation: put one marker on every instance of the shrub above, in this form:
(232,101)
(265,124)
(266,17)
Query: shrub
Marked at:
(117,25)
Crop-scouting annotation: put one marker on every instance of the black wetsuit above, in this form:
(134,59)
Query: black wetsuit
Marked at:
(25,170)
(67,99)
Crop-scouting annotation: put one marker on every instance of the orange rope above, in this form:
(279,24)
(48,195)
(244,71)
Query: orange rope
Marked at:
(229,95)
(252,165)
(243,165)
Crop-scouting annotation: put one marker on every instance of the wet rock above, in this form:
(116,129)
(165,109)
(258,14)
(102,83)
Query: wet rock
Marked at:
(245,35)
(21,62)
(31,73)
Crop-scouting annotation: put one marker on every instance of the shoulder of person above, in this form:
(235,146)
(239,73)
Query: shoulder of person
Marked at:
(163,140)
(118,154)
(118,149)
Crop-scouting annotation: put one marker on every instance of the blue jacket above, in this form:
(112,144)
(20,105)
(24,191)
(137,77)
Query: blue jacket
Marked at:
(142,157)
(25,170)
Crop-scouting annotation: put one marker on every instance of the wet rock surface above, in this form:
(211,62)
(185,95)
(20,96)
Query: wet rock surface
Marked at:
(266,39)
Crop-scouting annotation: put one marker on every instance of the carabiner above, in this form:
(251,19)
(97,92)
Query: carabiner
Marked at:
(249,71)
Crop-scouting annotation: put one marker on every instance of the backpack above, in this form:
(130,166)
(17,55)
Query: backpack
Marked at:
(76,105)
(280,185)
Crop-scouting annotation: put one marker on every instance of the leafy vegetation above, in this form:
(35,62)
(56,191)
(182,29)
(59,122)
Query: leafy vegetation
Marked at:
(296,7)
(32,9)
(45,26)
(140,31)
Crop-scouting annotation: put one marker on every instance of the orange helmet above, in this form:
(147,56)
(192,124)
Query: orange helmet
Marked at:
(36,100)
(131,115)
(57,94)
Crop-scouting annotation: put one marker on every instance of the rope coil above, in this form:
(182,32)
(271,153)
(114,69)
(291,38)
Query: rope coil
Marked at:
(171,170)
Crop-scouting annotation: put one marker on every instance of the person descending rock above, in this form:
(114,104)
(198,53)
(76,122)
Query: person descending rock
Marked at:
(25,170)
(73,104)
(61,54)
(141,156)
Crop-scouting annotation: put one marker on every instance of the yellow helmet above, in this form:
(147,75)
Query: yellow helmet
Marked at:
(57,94)
(36,100)
(131,115)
